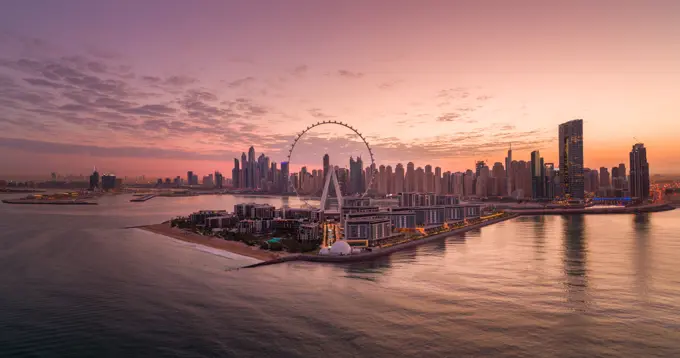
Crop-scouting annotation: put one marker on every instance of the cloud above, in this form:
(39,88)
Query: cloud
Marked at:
(508,127)
(484,98)
(45,83)
(350,74)
(317,113)
(300,70)
(151,110)
(389,84)
(180,81)
(454,117)
(44,147)
(241,82)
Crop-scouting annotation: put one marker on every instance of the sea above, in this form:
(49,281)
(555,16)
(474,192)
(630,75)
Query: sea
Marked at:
(75,281)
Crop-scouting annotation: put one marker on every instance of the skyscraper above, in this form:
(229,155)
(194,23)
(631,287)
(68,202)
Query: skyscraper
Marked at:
(537,175)
(508,171)
(498,172)
(390,180)
(399,179)
(438,180)
(410,181)
(252,178)
(429,179)
(190,178)
(236,175)
(243,175)
(285,185)
(639,172)
(550,180)
(326,164)
(571,158)
(356,177)
(604,178)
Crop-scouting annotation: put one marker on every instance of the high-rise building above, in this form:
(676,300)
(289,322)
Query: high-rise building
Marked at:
(326,164)
(537,175)
(94,180)
(420,180)
(550,180)
(639,172)
(482,180)
(285,179)
(356,176)
(429,179)
(398,179)
(382,180)
(410,181)
(508,171)
(438,180)
(252,166)
(604,178)
(219,180)
(243,175)
(390,180)
(622,170)
(498,172)
(571,158)
(236,175)
(190,178)
(108,181)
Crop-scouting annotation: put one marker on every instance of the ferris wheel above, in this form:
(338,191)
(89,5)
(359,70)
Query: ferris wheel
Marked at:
(336,123)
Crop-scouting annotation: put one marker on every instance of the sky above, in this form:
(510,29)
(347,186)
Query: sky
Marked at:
(160,87)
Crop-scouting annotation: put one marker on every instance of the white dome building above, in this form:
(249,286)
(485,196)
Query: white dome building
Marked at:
(325,251)
(340,248)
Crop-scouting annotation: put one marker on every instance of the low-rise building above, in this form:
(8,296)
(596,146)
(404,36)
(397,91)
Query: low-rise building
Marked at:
(374,230)
(199,217)
(309,232)
(248,226)
(448,200)
(222,221)
(254,211)
(402,220)
(296,213)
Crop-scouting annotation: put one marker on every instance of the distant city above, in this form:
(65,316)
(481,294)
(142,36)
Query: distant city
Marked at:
(532,179)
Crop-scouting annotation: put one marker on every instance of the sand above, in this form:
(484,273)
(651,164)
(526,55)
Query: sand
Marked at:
(234,247)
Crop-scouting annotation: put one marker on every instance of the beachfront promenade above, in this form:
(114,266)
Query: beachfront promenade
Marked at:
(378,252)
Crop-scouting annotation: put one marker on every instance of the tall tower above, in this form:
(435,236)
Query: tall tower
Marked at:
(399,179)
(410,182)
(537,175)
(508,171)
(326,164)
(236,175)
(252,166)
(639,172)
(571,158)
(243,175)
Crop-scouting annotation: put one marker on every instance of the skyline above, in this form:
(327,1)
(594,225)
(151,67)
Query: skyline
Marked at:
(460,83)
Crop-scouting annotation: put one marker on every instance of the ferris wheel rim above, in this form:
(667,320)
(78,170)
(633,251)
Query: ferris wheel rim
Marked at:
(340,123)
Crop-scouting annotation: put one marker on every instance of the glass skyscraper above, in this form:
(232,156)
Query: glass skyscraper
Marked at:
(571,158)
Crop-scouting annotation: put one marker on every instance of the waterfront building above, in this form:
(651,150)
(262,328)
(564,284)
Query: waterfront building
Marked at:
(482,176)
(309,232)
(373,230)
(571,158)
(222,221)
(108,181)
(468,183)
(428,182)
(382,180)
(508,172)
(537,176)
(252,169)
(244,177)
(639,172)
(236,174)
(438,180)
(447,200)
(190,177)
(420,180)
(402,220)
(254,211)
(199,217)
(457,185)
(94,180)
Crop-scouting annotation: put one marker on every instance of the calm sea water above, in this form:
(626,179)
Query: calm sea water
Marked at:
(75,283)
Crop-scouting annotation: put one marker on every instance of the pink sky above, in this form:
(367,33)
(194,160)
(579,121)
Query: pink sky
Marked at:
(162,87)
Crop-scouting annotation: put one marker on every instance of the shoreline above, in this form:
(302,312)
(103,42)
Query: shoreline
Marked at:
(233,247)
(382,252)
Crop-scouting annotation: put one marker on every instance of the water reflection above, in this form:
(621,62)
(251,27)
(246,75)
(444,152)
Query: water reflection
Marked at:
(641,254)
(575,256)
(539,237)
(369,270)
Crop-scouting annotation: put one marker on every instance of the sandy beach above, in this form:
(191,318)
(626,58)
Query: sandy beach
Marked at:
(234,247)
